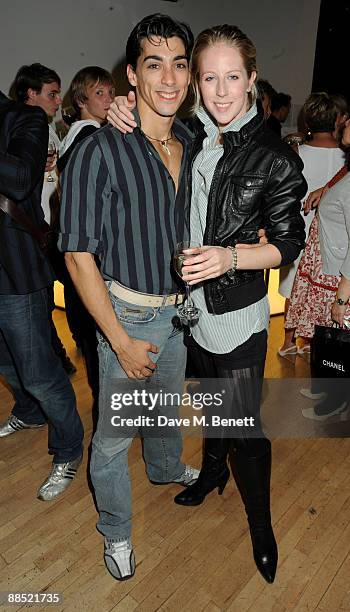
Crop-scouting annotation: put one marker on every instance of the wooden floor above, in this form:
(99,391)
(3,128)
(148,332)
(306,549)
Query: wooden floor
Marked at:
(187,559)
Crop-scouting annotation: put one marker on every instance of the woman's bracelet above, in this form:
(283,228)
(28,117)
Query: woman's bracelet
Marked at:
(234,259)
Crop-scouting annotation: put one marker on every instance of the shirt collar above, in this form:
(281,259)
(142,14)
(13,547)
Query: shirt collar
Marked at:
(211,127)
(178,128)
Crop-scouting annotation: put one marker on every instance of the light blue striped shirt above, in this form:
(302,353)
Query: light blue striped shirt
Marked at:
(219,333)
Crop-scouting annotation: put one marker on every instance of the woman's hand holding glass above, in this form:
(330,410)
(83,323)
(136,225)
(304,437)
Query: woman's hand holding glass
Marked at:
(211,262)
(185,251)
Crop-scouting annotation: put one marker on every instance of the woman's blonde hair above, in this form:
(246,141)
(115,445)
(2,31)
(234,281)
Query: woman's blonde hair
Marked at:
(229,35)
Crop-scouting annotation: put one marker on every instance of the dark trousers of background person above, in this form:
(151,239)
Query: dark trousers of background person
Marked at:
(57,344)
(83,330)
(82,327)
(30,366)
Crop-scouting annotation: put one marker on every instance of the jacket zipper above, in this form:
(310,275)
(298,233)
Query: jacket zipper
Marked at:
(214,189)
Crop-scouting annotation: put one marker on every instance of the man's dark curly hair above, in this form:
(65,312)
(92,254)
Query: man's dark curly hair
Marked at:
(153,27)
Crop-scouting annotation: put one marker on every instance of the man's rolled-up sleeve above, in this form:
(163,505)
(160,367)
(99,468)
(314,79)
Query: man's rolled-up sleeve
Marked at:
(84,181)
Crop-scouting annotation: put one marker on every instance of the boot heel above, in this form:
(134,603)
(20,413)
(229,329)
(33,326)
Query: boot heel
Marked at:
(223,483)
(206,483)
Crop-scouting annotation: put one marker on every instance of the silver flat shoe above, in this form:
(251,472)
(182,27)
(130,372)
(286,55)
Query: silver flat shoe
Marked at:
(120,559)
(59,479)
(309,413)
(313,396)
(13,424)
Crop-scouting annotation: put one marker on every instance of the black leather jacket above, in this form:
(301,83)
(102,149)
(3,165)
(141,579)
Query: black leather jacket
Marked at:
(257,184)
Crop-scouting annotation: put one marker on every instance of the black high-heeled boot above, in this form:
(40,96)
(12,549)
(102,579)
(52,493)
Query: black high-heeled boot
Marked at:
(214,474)
(252,475)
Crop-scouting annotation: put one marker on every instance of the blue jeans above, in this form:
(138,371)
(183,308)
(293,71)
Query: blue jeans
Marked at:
(109,459)
(39,383)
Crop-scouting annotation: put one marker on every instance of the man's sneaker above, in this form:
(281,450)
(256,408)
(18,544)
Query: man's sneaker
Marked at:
(59,479)
(188,476)
(120,559)
(13,424)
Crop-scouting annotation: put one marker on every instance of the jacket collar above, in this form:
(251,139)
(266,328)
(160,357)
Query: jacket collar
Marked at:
(247,132)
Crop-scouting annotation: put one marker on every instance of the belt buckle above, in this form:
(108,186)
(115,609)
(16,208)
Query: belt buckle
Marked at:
(167,299)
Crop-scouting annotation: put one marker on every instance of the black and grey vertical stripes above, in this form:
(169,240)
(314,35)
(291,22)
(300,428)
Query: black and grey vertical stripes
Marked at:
(119,202)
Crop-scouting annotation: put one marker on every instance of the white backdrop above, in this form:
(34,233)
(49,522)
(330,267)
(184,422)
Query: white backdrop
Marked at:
(70,34)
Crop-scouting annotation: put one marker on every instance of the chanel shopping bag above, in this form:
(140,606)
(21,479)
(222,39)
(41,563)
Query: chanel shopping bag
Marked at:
(330,352)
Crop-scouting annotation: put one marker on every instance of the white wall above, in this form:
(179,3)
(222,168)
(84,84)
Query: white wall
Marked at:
(70,34)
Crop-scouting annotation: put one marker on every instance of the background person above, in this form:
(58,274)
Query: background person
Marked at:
(280,109)
(27,360)
(322,158)
(39,86)
(91,92)
(321,288)
(266,93)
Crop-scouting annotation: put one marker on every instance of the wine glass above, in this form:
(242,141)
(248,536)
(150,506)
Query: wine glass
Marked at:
(51,152)
(188,312)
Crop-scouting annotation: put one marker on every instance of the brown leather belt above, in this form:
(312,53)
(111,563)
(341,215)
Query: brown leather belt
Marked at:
(144,299)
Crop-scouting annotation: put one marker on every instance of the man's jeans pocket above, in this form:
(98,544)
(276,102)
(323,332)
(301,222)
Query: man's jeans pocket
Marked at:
(131,314)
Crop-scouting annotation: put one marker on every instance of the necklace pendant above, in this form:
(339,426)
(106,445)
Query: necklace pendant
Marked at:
(165,146)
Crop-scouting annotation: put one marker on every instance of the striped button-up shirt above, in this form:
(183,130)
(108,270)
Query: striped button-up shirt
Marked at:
(119,202)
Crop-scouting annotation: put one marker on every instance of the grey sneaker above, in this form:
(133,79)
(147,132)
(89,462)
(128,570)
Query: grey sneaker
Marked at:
(13,424)
(59,479)
(188,476)
(120,559)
